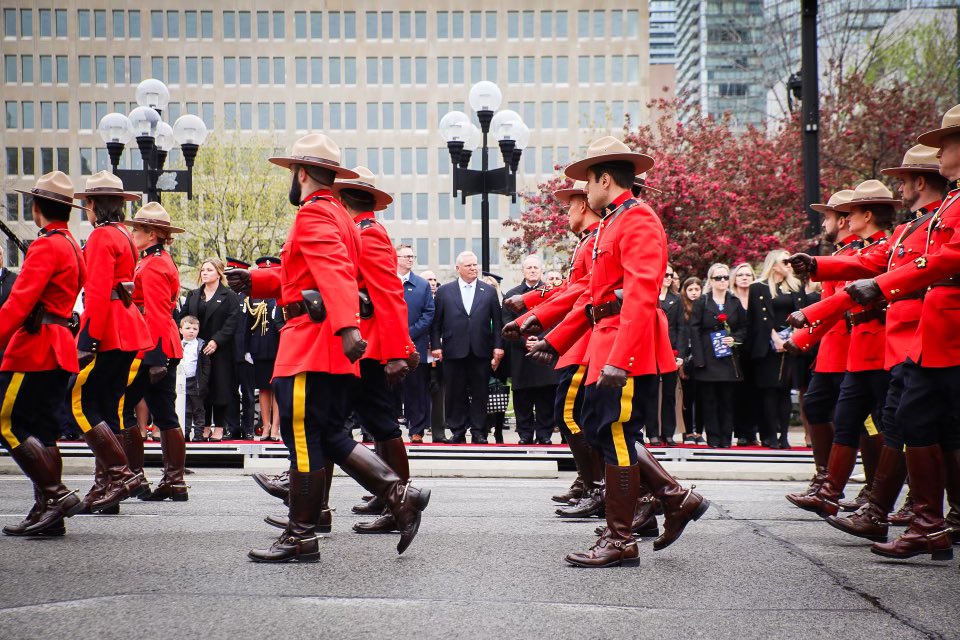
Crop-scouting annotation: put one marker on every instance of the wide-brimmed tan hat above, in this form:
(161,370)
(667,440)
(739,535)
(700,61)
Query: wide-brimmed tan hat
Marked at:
(316,150)
(918,159)
(104,183)
(579,188)
(55,186)
(364,181)
(153,214)
(608,149)
(948,126)
(868,192)
(844,195)
(641,181)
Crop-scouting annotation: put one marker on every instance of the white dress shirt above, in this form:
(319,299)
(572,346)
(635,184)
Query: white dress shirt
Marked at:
(191,352)
(405,278)
(467,293)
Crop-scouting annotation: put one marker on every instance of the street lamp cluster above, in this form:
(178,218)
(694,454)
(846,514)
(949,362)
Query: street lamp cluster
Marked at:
(155,138)
(463,138)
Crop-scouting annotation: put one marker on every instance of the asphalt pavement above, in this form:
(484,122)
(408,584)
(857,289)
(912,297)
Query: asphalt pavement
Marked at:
(488,563)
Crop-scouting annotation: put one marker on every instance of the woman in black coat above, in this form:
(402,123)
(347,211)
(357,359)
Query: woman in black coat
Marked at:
(776,295)
(718,312)
(692,407)
(218,309)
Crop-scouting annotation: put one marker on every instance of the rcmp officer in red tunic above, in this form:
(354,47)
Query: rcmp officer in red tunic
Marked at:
(320,345)
(39,354)
(112,331)
(156,290)
(629,346)
(831,363)
(931,372)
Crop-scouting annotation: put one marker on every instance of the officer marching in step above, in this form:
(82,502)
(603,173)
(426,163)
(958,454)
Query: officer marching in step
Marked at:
(112,331)
(921,187)
(156,291)
(546,308)
(320,346)
(629,346)
(870,212)
(926,415)
(39,355)
(834,337)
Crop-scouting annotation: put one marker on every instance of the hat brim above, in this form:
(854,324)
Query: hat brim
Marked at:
(40,195)
(934,137)
(578,170)
(342,172)
(565,195)
(129,196)
(156,225)
(381,199)
(847,207)
(823,208)
(920,168)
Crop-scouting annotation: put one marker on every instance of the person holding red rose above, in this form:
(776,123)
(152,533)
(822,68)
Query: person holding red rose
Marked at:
(718,325)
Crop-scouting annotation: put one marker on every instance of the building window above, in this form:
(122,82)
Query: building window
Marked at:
(560,20)
(599,69)
(190,24)
(386,25)
(27,113)
(11,111)
(583,69)
(246,116)
(206,114)
(529,69)
(206,25)
(443,25)
(457,25)
(26,69)
(491,18)
(300,70)
(263,116)
(173,70)
(333,24)
(133,21)
(388,161)
(333,64)
(10,23)
(300,25)
(563,72)
(229,25)
(476,25)
(46,70)
(280,71)
(350,120)
(244,25)
(546,70)
(301,113)
(119,24)
(100,69)
(336,113)
(13,161)
(316,24)
(86,116)
(206,70)
(513,24)
(633,22)
(63,68)
(100,23)
(406,206)
(373,115)
(230,115)
(229,71)
(386,112)
(86,161)
(156,24)
(528,20)
(135,71)
(350,25)
(421,155)
(316,115)
(513,70)
(246,71)
(263,25)
(60,16)
(83,23)
(119,70)
(316,70)
(192,70)
(350,71)
(26,23)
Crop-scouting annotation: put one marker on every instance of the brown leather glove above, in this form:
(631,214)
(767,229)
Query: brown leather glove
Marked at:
(413,360)
(353,343)
(511,331)
(791,347)
(543,353)
(531,327)
(798,320)
(515,304)
(864,291)
(239,280)
(611,376)
(156,374)
(802,264)
(396,370)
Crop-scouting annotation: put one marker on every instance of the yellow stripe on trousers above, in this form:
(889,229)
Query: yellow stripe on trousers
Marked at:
(134,369)
(870,426)
(571,399)
(616,429)
(76,401)
(6,410)
(299,427)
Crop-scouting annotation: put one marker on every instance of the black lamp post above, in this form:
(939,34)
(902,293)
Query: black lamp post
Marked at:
(463,138)
(154,138)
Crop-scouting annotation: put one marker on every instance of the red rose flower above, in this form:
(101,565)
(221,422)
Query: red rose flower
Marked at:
(722,317)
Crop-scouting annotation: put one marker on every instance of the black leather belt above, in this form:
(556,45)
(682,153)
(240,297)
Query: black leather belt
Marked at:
(867,315)
(952,281)
(596,313)
(294,309)
(916,295)
(49,318)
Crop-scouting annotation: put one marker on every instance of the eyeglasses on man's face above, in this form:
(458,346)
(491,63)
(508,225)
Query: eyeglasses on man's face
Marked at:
(410,257)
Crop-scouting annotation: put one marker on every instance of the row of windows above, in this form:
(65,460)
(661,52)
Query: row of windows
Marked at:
(56,115)
(272,24)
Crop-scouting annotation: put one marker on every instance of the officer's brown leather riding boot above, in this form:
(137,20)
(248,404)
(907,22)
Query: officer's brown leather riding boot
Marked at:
(870,520)
(375,505)
(99,484)
(325,523)
(394,453)
(616,545)
(37,508)
(171,486)
(927,533)
(132,441)
(870,447)
(821,437)
(951,461)
(824,501)
(574,493)
(680,505)
(644,518)
(278,486)
(119,482)
(43,465)
(299,540)
(591,468)
(403,500)
(904,515)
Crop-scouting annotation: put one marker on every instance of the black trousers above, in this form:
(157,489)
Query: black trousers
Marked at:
(373,400)
(718,399)
(241,423)
(927,414)
(161,398)
(692,407)
(416,399)
(195,415)
(775,412)
(613,418)
(862,395)
(466,384)
(313,412)
(663,408)
(893,430)
(437,421)
(31,406)
(820,400)
(534,410)
(568,400)
(97,389)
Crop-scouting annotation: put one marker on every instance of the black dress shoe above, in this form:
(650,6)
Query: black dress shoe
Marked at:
(479,440)
(456,440)
(525,441)
(771,444)
(743,442)
(544,442)
(655,441)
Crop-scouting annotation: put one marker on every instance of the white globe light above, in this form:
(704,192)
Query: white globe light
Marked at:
(485,96)
(474,139)
(522,136)
(144,121)
(165,139)
(453,126)
(115,127)
(189,129)
(153,93)
(501,118)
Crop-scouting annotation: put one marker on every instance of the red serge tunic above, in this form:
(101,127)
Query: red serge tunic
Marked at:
(156,288)
(53,273)
(630,253)
(580,263)
(386,332)
(107,324)
(321,253)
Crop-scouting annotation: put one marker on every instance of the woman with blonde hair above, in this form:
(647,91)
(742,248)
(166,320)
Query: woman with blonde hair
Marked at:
(773,297)
(218,309)
(746,409)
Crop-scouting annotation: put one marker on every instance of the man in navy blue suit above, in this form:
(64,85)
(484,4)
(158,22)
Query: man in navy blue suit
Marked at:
(466,337)
(419,299)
